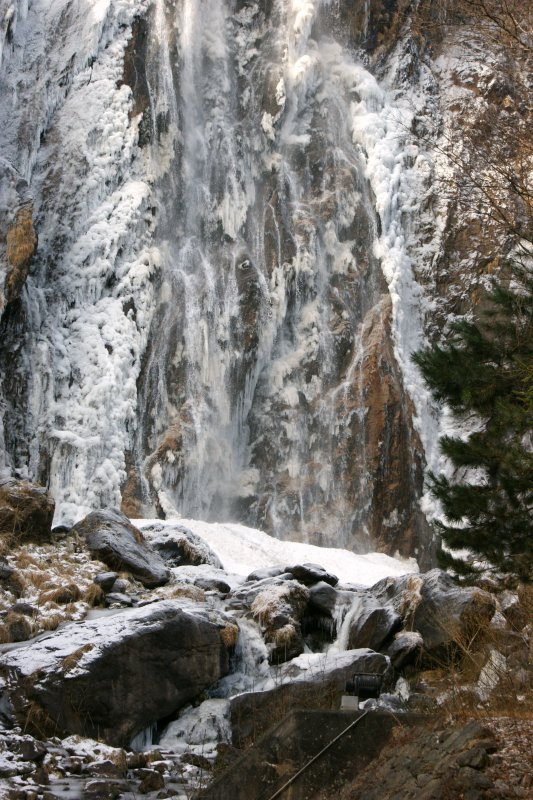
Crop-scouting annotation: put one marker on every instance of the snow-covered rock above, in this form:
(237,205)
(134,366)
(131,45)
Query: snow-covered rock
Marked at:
(113,676)
(112,538)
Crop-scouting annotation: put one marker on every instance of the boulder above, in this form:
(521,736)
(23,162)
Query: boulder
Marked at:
(179,547)
(265,572)
(119,599)
(26,512)
(371,625)
(112,677)
(105,580)
(112,538)
(323,598)
(212,585)
(312,573)
(434,605)
(314,681)
(404,648)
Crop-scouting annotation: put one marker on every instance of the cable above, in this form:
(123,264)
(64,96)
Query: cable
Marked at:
(336,739)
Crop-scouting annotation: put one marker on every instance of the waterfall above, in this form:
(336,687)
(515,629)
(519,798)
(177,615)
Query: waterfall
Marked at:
(222,306)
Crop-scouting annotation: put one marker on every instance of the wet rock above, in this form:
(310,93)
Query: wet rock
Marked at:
(114,540)
(113,676)
(104,789)
(151,782)
(118,598)
(308,574)
(26,512)
(372,625)
(105,580)
(6,570)
(31,749)
(179,547)
(212,585)
(105,769)
(404,648)
(120,585)
(266,572)
(18,240)
(323,598)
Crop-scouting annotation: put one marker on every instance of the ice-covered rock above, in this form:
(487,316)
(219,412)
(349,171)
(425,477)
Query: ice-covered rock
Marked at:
(113,676)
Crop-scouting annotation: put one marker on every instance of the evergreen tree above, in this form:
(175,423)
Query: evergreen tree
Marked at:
(484,373)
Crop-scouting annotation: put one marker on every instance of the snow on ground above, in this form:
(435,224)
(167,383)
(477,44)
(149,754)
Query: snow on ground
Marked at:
(243,550)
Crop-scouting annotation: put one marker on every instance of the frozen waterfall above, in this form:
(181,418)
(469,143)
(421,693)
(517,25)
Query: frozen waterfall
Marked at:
(220,312)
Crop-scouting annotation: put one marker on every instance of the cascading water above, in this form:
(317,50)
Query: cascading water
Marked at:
(221,309)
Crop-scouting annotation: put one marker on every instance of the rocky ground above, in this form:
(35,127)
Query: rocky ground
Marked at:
(133,663)
(488,758)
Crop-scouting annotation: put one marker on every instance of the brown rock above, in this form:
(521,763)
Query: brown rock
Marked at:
(152,781)
(21,243)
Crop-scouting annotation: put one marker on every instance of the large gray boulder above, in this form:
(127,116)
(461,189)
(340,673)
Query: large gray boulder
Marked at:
(445,614)
(26,512)
(112,538)
(112,677)
(314,681)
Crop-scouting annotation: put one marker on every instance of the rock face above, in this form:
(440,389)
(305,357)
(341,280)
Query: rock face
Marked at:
(26,512)
(114,540)
(431,765)
(18,240)
(112,677)
(292,409)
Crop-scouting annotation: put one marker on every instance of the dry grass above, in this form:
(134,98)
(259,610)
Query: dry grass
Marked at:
(23,560)
(93,595)
(489,672)
(229,635)
(65,595)
(74,658)
(51,622)
(39,579)
(186,590)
